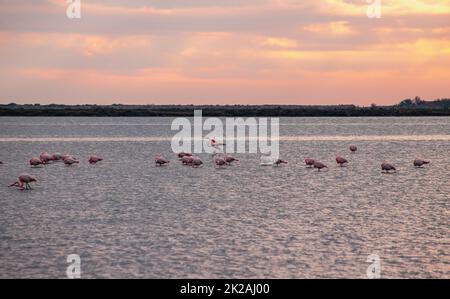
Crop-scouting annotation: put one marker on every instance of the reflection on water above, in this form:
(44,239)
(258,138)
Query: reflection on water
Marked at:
(127,218)
(281,138)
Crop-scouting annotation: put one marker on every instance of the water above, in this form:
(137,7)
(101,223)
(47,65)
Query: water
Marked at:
(127,218)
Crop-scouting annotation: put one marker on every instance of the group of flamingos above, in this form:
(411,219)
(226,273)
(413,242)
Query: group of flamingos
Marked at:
(24,180)
(220,160)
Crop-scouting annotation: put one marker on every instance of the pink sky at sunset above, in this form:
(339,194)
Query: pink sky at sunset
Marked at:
(224,52)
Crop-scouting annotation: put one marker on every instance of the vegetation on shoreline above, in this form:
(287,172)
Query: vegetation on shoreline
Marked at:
(408,107)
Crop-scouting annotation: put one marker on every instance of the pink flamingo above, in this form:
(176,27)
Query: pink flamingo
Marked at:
(24,179)
(183,154)
(278,162)
(309,162)
(386,167)
(160,160)
(319,165)
(46,158)
(95,159)
(34,162)
(70,161)
(341,161)
(187,160)
(219,161)
(353,148)
(57,157)
(419,162)
(196,162)
(229,159)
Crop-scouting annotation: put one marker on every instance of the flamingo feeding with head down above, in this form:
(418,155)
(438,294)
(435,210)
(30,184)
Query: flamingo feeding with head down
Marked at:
(34,162)
(46,158)
(68,160)
(160,160)
(183,154)
(353,148)
(196,162)
(187,160)
(341,161)
(309,162)
(95,159)
(24,180)
(420,162)
(319,165)
(386,167)
(278,162)
(230,159)
(57,157)
(220,161)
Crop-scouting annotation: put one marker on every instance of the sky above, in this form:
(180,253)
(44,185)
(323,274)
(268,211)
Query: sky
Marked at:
(306,52)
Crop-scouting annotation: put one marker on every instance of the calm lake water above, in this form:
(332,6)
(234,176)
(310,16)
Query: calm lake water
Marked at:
(127,218)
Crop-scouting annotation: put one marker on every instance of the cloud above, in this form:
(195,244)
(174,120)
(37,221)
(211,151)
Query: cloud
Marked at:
(224,51)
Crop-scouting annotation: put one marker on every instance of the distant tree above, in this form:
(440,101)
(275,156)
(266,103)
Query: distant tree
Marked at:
(418,101)
(406,102)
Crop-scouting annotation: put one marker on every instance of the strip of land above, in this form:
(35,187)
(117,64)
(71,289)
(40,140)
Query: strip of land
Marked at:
(408,107)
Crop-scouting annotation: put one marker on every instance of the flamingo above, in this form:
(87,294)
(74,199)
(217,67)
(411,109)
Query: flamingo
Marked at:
(24,179)
(319,165)
(34,162)
(341,161)
(419,162)
(219,161)
(160,160)
(95,159)
(353,148)
(278,162)
(386,167)
(45,158)
(196,162)
(57,157)
(229,159)
(187,160)
(309,162)
(65,156)
(70,160)
(183,154)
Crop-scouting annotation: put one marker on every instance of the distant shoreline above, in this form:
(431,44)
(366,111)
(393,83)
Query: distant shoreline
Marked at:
(407,107)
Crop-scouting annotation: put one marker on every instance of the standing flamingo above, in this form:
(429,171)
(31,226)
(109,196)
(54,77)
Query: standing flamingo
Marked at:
(419,162)
(319,165)
(160,160)
(341,161)
(34,162)
(24,179)
(95,159)
(353,148)
(309,162)
(386,167)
